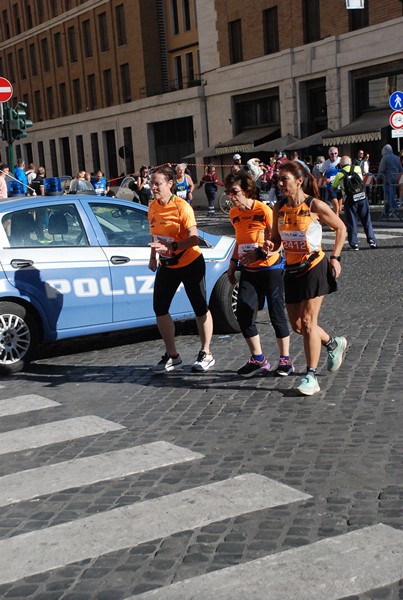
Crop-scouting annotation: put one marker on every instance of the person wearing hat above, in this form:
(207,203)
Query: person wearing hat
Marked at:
(210,182)
(237,166)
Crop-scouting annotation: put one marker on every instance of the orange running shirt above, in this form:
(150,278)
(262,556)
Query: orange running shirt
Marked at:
(170,223)
(300,233)
(250,226)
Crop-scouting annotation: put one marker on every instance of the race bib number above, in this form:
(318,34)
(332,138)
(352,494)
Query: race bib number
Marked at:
(294,241)
(359,196)
(244,248)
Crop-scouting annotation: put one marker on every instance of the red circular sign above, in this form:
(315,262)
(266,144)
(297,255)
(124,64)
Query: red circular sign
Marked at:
(6,89)
(396,119)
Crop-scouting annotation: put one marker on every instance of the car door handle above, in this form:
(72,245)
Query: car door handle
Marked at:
(119,260)
(20,263)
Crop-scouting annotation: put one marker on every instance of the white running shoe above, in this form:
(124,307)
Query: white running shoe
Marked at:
(203,362)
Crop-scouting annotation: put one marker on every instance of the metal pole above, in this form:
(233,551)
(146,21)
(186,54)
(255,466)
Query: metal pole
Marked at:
(10,154)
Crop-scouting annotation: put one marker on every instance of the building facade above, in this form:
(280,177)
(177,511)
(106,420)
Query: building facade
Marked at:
(114,84)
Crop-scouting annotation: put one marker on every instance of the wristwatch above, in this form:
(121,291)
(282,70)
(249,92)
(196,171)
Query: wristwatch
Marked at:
(174,246)
(336,258)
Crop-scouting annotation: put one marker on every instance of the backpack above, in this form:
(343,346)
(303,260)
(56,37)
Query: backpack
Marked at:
(353,185)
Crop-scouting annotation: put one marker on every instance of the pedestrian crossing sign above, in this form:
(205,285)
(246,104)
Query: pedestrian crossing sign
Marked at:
(396,101)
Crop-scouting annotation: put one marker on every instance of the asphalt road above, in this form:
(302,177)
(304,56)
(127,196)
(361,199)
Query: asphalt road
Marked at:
(116,482)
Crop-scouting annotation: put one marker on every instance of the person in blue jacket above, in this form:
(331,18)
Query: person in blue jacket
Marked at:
(100,184)
(19,173)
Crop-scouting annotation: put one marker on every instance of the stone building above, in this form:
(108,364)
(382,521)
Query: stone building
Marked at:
(114,84)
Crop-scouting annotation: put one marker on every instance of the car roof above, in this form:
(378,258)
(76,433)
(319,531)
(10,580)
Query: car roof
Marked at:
(24,202)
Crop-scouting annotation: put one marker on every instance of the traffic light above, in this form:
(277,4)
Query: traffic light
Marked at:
(15,123)
(19,122)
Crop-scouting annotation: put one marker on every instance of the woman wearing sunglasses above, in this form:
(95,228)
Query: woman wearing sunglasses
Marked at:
(261,275)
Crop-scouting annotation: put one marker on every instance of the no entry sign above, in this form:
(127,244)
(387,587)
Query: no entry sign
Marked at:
(6,90)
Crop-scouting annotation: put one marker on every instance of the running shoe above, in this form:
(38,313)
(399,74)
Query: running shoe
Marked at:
(203,362)
(253,367)
(166,364)
(335,357)
(354,247)
(372,244)
(309,385)
(211,213)
(284,367)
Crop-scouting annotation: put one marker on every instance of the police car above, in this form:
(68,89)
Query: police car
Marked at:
(78,265)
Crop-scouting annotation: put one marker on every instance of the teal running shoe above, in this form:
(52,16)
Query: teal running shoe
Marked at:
(309,385)
(335,357)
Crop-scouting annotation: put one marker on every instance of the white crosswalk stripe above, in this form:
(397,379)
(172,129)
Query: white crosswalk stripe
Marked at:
(38,551)
(329,239)
(331,569)
(26,485)
(52,433)
(22,404)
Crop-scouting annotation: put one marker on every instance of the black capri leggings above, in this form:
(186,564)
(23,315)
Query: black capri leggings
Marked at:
(254,286)
(168,280)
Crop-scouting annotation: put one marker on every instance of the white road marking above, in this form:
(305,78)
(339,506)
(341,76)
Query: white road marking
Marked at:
(22,404)
(379,236)
(85,471)
(54,432)
(331,569)
(124,527)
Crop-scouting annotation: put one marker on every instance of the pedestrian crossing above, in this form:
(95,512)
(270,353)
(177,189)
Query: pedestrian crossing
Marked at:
(353,563)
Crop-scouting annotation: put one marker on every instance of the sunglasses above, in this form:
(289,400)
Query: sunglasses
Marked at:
(333,153)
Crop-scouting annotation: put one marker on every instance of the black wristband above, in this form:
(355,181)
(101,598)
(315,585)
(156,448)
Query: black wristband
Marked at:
(336,258)
(174,246)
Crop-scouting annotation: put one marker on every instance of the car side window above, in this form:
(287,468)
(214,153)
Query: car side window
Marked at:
(43,226)
(122,226)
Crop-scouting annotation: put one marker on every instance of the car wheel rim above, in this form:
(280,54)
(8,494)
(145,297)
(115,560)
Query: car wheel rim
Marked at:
(15,339)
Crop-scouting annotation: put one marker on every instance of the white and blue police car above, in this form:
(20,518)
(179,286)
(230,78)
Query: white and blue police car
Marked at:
(76,265)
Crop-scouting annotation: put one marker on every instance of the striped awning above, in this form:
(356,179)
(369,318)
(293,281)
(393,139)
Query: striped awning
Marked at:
(367,128)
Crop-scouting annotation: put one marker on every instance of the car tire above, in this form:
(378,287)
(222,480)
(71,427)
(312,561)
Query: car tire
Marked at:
(223,305)
(18,337)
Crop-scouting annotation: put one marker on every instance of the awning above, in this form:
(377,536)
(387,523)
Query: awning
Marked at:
(245,141)
(210,151)
(277,144)
(367,128)
(312,140)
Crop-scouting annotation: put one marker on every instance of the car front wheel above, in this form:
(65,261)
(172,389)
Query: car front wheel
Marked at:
(18,337)
(223,305)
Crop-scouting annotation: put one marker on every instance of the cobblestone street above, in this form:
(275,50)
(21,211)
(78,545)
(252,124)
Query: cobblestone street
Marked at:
(221,471)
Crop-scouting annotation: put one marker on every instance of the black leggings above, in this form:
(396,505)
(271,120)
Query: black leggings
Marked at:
(254,286)
(167,281)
